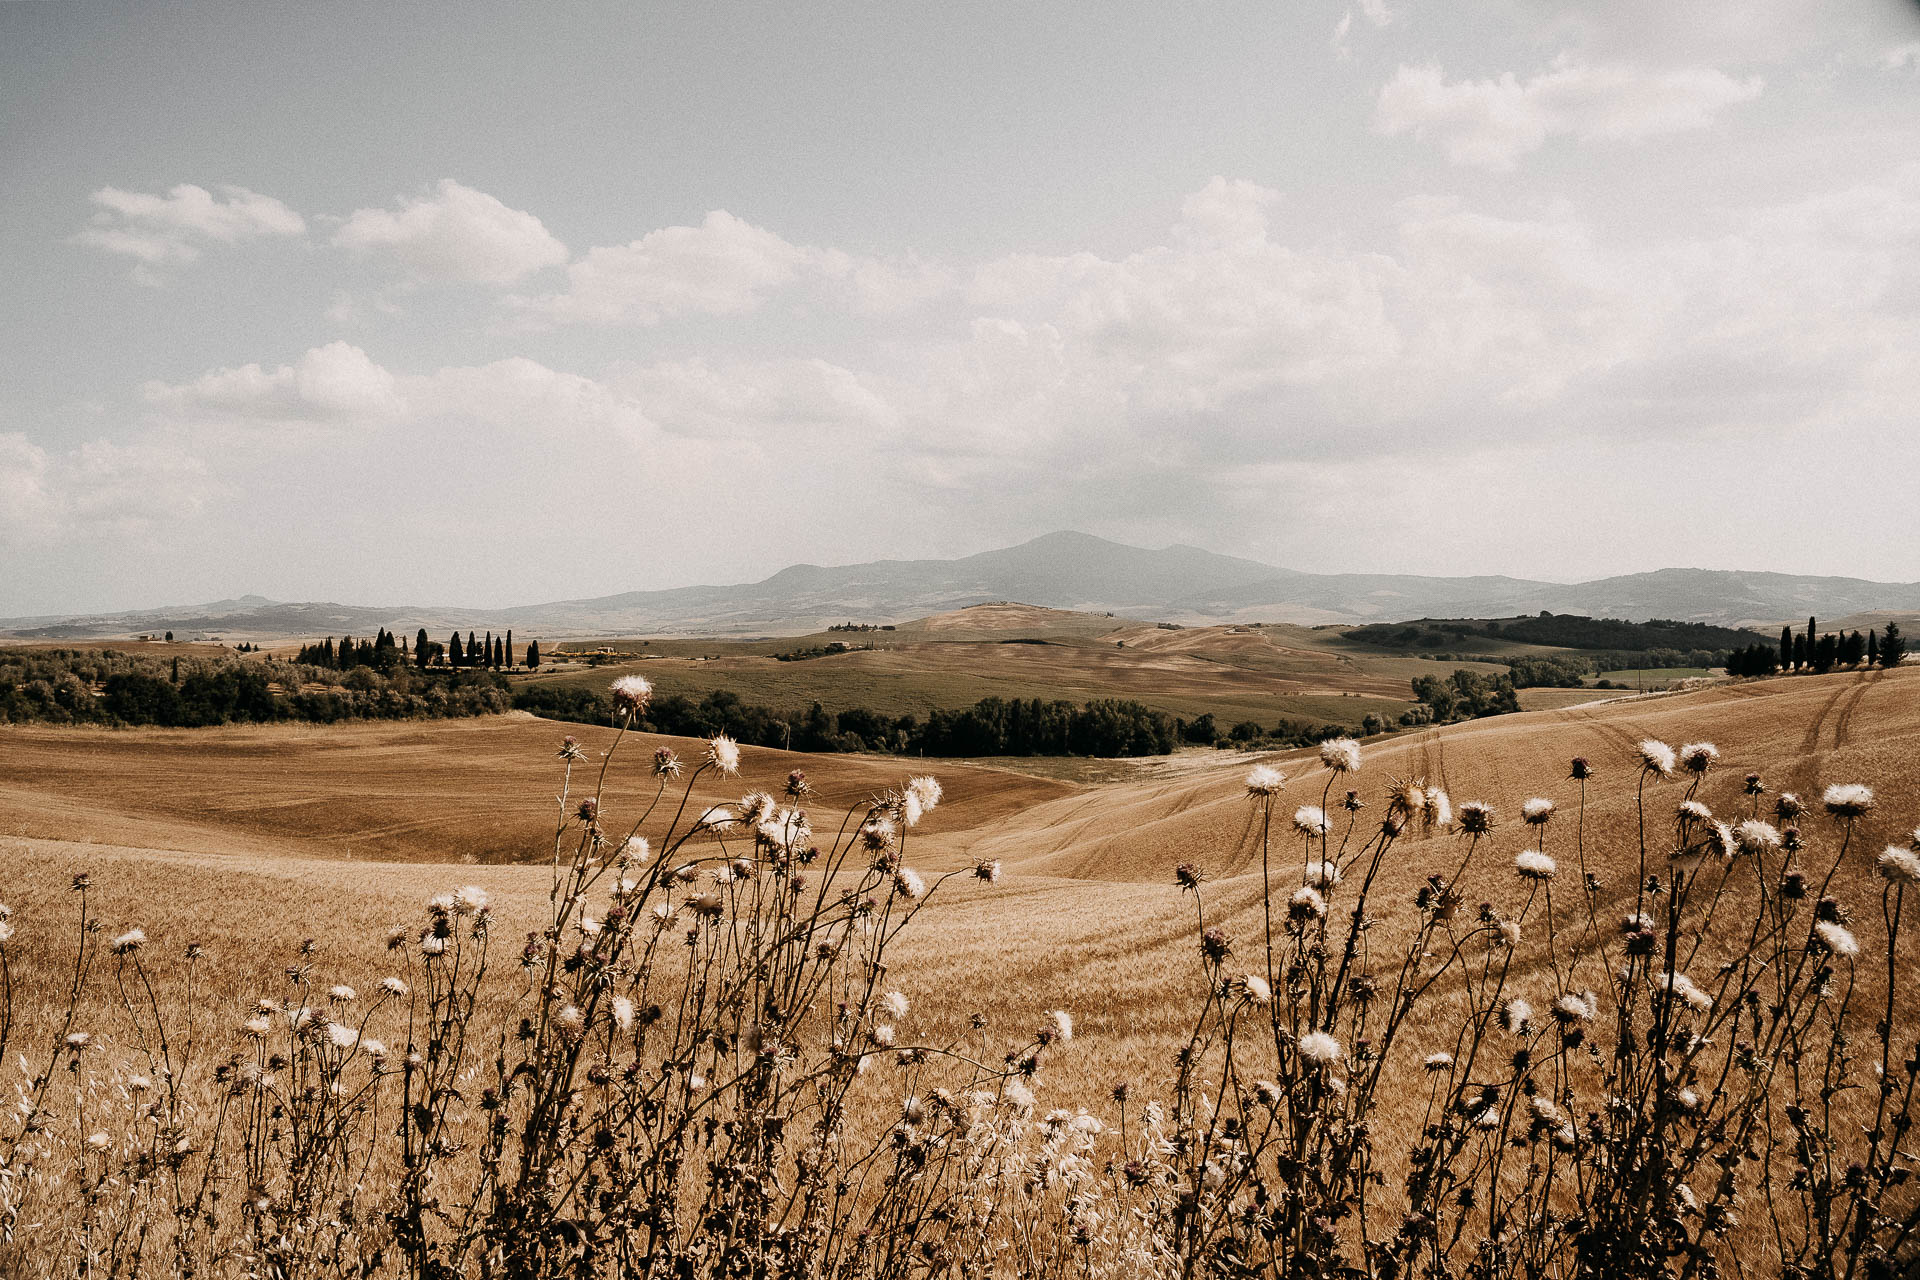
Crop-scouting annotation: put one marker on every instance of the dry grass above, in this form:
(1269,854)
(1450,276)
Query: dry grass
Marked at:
(1087,918)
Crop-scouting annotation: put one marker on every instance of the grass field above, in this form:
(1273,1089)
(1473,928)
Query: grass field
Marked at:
(1237,673)
(240,840)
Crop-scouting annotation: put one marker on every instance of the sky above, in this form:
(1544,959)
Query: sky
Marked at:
(492,303)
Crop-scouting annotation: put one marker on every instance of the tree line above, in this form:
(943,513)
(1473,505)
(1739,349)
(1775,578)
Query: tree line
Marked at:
(386,651)
(1809,651)
(108,687)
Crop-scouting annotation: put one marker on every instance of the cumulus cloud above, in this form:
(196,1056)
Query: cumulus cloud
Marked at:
(337,384)
(171,230)
(1492,123)
(454,233)
(723,266)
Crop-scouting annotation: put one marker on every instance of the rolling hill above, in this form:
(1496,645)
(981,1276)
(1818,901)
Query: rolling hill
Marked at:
(1059,570)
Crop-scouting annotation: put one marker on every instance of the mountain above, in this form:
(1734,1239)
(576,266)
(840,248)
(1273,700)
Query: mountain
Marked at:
(1060,570)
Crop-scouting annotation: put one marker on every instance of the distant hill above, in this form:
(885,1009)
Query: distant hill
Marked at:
(1060,570)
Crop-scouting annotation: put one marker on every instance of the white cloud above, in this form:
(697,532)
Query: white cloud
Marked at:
(332,385)
(1492,123)
(99,487)
(454,233)
(170,230)
(723,266)
(798,403)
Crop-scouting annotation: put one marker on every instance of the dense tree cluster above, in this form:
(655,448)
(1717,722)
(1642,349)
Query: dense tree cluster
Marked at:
(991,727)
(75,686)
(1560,630)
(1809,651)
(1549,672)
(1465,695)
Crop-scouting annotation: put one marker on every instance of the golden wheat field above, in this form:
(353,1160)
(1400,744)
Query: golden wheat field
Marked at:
(251,840)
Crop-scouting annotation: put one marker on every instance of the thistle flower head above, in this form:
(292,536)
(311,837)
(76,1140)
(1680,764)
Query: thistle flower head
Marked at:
(631,694)
(1311,820)
(1321,875)
(908,884)
(393,987)
(988,870)
(1342,755)
(341,993)
(342,1036)
(636,851)
(1721,840)
(1898,866)
(571,750)
(1306,904)
(1320,1049)
(469,900)
(894,1005)
(1581,770)
(927,791)
(1406,798)
(1056,1028)
(665,763)
(1439,1061)
(1656,758)
(755,807)
(1788,807)
(1698,757)
(723,753)
(1516,1015)
(1836,939)
(1255,989)
(1846,800)
(1537,812)
(1534,865)
(128,943)
(1686,990)
(1756,837)
(1436,809)
(1476,818)
(1264,780)
(1692,811)
(1570,1009)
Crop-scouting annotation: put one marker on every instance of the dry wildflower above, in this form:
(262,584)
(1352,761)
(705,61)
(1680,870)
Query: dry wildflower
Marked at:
(1846,800)
(469,900)
(375,1049)
(882,1035)
(718,816)
(1320,1049)
(1720,839)
(1534,865)
(569,1021)
(1342,755)
(927,790)
(1187,876)
(1255,988)
(341,993)
(1581,771)
(1516,1015)
(908,884)
(623,1013)
(78,1040)
(6,929)
(1306,904)
(1754,787)
(1508,933)
(1656,758)
(1898,866)
(1686,989)
(1310,820)
(1321,875)
(256,1027)
(1018,1096)
(1476,818)
(877,834)
(342,1036)
(988,870)
(1436,809)
(1756,837)
(631,694)
(393,987)
(1537,812)
(665,763)
(723,753)
(1438,1061)
(589,810)
(1698,757)
(894,1005)
(571,751)
(636,851)
(1837,939)
(707,904)
(1788,807)
(1264,780)
(1058,1027)
(1689,812)
(99,1141)
(128,943)
(1570,1009)
(1406,798)
(755,807)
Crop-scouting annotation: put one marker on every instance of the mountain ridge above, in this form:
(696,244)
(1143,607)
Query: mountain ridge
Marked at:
(1064,570)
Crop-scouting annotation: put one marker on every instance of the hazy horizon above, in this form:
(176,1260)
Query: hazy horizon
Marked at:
(505,305)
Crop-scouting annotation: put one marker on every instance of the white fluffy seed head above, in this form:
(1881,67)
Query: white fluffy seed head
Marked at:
(1898,866)
(1320,1048)
(1264,780)
(1847,799)
(1342,755)
(1657,758)
(1535,865)
(1537,811)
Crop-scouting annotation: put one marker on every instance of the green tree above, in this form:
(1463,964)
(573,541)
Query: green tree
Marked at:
(509,648)
(456,653)
(420,648)
(1893,646)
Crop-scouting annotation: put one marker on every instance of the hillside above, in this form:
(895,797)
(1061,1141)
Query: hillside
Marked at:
(1060,570)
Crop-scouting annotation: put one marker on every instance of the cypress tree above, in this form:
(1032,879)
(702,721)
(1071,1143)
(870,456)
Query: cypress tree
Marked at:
(486,654)
(1873,647)
(509,648)
(533,655)
(1893,646)
(473,650)
(1812,640)
(1786,648)
(455,655)
(420,642)
(1799,651)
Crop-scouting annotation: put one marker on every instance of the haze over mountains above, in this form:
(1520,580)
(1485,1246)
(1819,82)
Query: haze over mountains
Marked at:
(1061,570)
